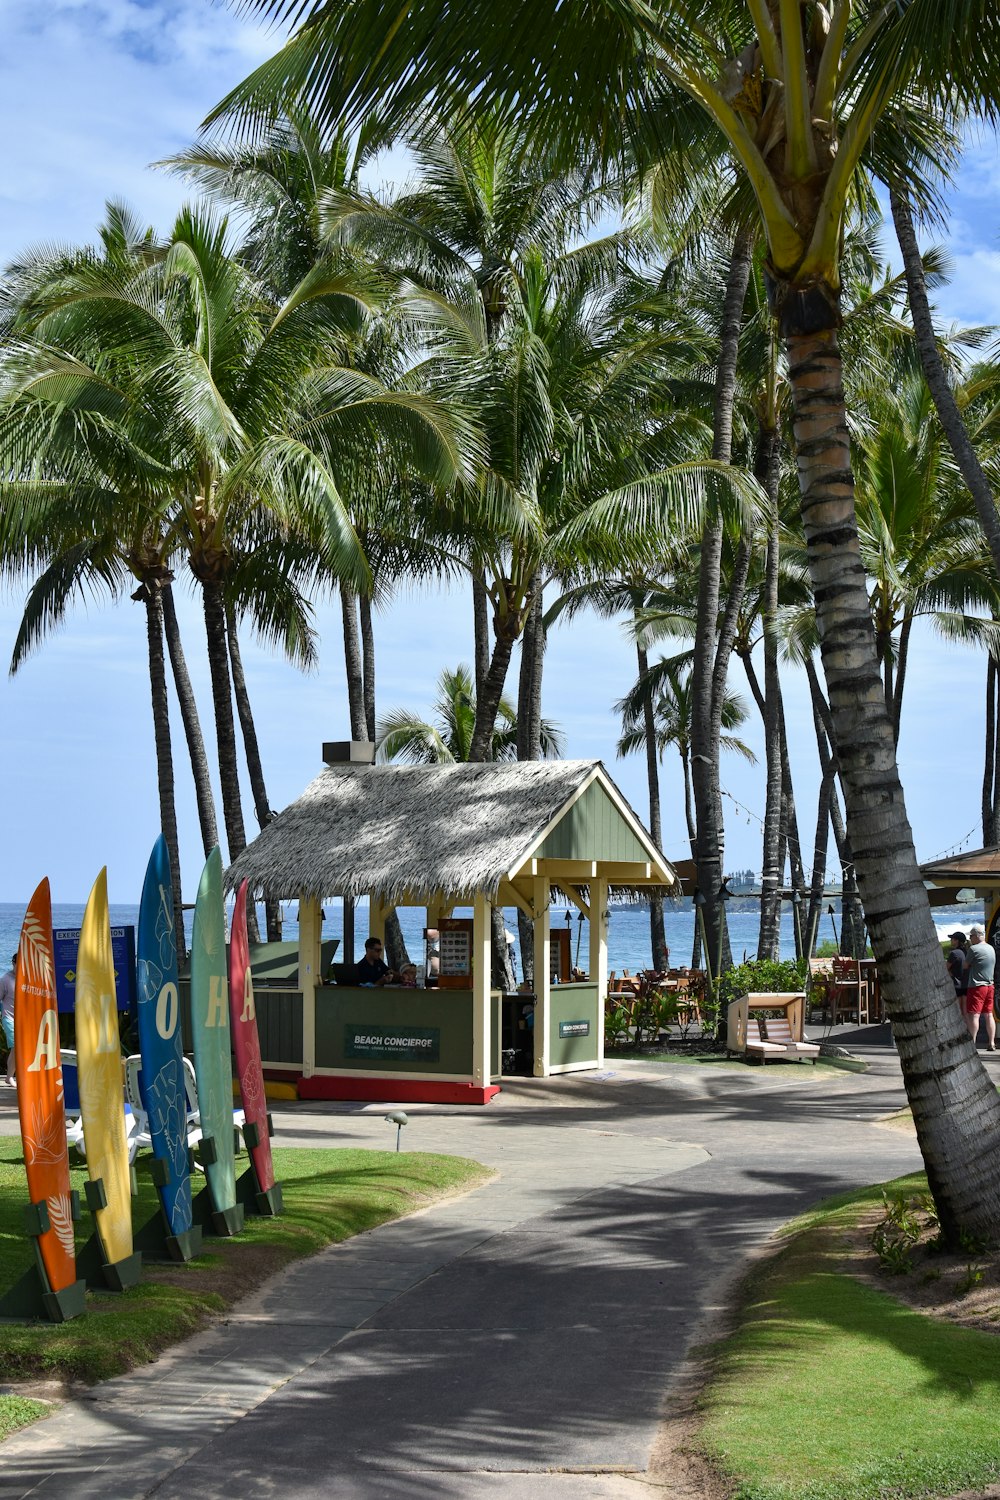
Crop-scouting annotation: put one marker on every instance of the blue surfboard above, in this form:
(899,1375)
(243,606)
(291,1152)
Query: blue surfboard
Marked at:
(160,1040)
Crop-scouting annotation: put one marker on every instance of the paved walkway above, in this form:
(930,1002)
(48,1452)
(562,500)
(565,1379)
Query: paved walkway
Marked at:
(519,1341)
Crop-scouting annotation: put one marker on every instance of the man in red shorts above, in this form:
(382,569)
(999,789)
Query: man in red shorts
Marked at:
(980,962)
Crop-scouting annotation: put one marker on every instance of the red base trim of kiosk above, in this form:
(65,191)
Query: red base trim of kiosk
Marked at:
(395,1090)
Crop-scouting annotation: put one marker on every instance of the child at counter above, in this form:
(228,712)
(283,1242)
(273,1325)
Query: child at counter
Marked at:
(408,976)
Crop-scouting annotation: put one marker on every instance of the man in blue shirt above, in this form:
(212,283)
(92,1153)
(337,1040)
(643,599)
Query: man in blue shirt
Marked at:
(372,969)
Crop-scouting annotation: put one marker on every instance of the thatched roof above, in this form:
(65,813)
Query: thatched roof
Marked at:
(399,831)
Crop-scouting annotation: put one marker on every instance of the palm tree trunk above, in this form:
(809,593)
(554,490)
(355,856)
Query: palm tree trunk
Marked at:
(657,929)
(151,597)
(488,701)
(955,1107)
(368,664)
(902,658)
(359,660)
(481,625)
(937,380)
(225,730)
(796,864)
(821,844)
(529,687)
(204,796)
(272,908)
(852,923)
(353,665)
(996,771)
(529,736)
(480,749)
(689,804)
(706,659)
(768,942)
(989,754)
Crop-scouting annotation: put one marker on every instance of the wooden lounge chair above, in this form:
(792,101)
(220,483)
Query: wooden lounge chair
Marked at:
(780,1034)
(776,1032)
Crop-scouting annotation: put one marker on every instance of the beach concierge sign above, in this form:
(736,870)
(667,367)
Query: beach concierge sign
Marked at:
(257,1187)
(110,1255)
(216,1205)
(50,1289)
(164,1094)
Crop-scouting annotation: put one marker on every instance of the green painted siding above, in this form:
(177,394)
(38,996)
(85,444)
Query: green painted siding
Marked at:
(592,828)
(449,1011)
(570,1003)
(279,1024)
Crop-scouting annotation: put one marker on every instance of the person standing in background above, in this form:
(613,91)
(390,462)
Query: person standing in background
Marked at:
(7,1018)
(956,966)
(980,962)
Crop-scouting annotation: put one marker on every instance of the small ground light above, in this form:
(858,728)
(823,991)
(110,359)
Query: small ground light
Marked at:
(398,1119)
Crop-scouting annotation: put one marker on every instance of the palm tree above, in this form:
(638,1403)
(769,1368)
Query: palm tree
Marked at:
(805,97)
(667,688)
(447,738)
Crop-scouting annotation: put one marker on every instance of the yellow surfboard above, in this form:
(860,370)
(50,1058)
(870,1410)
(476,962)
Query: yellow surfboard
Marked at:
(99,1072)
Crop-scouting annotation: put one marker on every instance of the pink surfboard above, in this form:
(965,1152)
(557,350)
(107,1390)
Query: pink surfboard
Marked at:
(246,1043)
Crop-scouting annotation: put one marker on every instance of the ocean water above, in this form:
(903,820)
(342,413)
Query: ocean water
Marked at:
(628,929)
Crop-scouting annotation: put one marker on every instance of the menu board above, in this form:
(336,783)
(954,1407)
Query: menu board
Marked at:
(455,952)
(559,958)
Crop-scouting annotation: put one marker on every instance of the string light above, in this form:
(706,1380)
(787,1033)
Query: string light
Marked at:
(955,848)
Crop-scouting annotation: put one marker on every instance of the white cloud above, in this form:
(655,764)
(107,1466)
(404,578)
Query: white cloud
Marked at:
(93,91)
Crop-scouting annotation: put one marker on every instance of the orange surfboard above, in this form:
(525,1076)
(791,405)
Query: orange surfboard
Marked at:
(40,1089)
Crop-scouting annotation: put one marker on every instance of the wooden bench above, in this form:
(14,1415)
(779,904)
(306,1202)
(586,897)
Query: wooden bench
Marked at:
(779,1034)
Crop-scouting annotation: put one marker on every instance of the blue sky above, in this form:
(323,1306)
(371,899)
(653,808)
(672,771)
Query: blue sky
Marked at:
(91,92)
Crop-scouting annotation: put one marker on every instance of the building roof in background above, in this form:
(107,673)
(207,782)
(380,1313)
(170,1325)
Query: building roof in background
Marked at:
(414,832)
(976,867)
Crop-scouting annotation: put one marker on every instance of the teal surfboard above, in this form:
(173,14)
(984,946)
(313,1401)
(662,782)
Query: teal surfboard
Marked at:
(210,1036)
(159,1013)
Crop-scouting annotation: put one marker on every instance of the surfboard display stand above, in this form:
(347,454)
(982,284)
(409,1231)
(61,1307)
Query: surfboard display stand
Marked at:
(224,1222)
(267,1203)
(101,1274)
(155,1241)
(155,1238)
(31,1298)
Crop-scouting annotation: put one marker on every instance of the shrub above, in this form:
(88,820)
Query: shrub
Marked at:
(616,1024)
(766,975)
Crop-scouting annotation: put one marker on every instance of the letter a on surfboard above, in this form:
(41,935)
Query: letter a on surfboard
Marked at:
(160,1039)
(246,1043)
(40,1089)
(99,1070)
(210,1034)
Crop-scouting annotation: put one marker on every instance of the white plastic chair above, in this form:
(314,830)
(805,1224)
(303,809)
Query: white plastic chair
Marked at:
(194,1113)
(133,1095)
(74,1124)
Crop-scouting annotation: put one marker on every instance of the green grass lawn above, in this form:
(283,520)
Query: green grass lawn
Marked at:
(328,1196)
(831,1390)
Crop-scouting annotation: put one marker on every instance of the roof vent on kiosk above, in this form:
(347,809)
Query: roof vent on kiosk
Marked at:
(349,753)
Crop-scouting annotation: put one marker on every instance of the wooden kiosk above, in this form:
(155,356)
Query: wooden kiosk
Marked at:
(978,871)
(441,837)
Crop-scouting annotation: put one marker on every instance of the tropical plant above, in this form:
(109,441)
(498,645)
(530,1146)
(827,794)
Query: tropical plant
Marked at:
(666,687)
(404,736)
(235,412)
(805,98)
